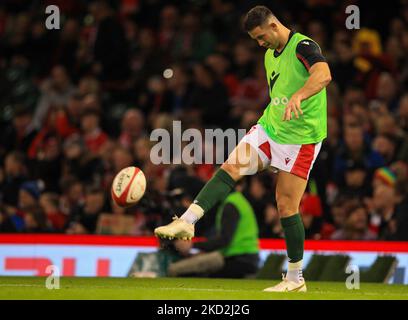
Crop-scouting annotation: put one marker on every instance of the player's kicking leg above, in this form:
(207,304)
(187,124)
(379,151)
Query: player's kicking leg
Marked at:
(289,191)
(243,160)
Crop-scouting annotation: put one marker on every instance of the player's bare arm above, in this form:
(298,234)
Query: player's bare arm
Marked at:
(320,77)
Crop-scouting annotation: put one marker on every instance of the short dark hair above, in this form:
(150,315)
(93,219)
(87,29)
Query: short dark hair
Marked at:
(255,17)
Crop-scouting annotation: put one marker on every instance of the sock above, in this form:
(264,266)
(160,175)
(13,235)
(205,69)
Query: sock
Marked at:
(215,190)
(295,271)
(294,237)
(193,213)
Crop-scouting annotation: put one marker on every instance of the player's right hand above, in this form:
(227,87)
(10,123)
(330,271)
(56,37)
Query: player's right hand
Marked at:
(293,106)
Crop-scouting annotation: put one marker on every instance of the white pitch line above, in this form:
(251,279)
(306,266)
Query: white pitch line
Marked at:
(138,288)
(191,289)
(21,285)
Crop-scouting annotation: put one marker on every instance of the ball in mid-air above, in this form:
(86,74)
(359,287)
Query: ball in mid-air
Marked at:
(128,186)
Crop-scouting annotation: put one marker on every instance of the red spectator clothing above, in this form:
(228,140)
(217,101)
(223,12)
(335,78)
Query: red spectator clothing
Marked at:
(204,171)
(63,129)
(57,220)
(231,82)
(40,142)
(311,204)
(63,125)
(326,231)
(95,140)
(36,144)
(126,140)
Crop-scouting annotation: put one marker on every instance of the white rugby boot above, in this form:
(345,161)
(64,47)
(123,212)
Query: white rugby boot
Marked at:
(288,286)
(177,229)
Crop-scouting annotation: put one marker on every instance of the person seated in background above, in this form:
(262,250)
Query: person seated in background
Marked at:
(132,127)
(18,134)
(50,205)
(401,209)
(356,224)
(356,180)
(355,149)
(15,173)
(270,226)
(92,133)
(84,218)
(381,206)
(27,216)
(232,252)
(337,217)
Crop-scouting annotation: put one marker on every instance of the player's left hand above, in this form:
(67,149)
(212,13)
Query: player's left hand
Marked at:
(293,106)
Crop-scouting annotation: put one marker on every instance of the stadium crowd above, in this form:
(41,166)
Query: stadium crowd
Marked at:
(78,104)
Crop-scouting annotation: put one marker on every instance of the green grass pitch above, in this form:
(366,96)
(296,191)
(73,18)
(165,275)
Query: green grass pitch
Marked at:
(185,289)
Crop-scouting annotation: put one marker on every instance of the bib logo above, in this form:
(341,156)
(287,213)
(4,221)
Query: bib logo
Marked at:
(279,101)
(276,101)
(272,80)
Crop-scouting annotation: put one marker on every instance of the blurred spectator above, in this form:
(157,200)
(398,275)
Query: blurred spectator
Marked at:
(15,173)
(356,180)
(382,208)
(110,49)
(356,150)
(400,221)
(343,68)
(270,227)
(180,87)
(386,146)
(387,90)
(209,96)
(27,215)
(121,158)
(80,163)
(42,44)
(251,93)
(383,176)
(46,163)
(29,195)
(403,113)
(55,92)
(141,151)
(169,20)
(311,211)
(222,67)
(147,60)
(35,221)
(132,127)
(338,217)
(67,46)
(72,195)
(49,203)
(85,217)
(192,41)
(89,85)
(6,223)
(94,137)
(19,134)
(355,226)
(243,59)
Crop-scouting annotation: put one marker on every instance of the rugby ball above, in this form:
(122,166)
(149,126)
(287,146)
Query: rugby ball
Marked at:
(128,186)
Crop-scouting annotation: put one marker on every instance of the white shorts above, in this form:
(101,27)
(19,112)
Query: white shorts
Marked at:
(297,159)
